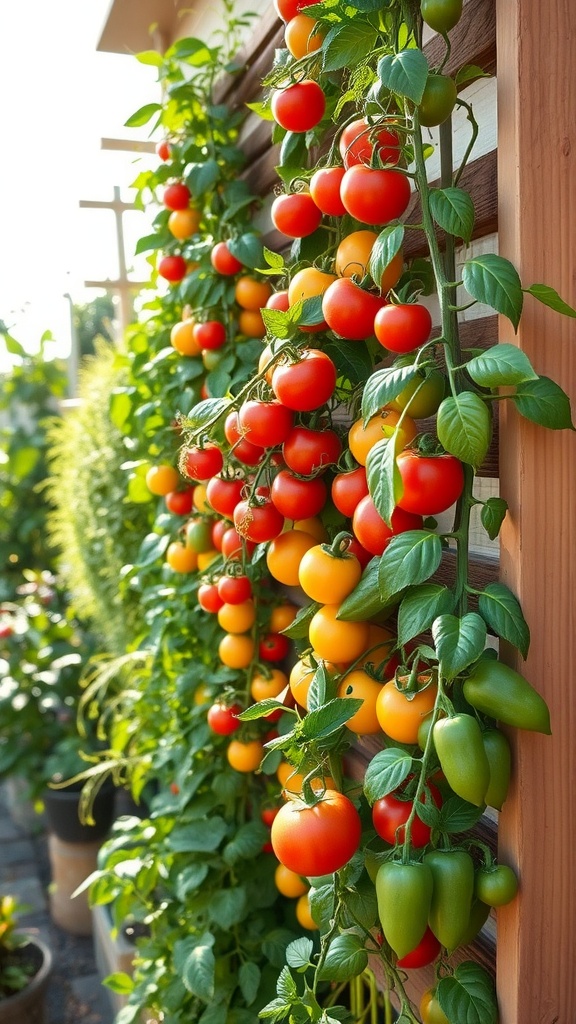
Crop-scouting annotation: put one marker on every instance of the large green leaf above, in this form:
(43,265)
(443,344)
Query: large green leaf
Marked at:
(347,43)
(468,996)
(346,958)
(384,480)
(544,402)
(329,718)
(142,115)
(550,297)
(383,386)
(385,772)
(501,611)
(365,601)
(501,365)
(495,281)
(419,607)
(464,427)
(404,73)
(199,968)
(388,243)
(458,641)
(453,210)
(410,558)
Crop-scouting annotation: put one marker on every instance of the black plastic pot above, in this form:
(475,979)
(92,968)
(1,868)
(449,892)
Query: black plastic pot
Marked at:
(28,1004)
(62,814)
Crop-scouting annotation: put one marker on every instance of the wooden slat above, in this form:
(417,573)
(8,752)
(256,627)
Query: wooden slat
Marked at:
(267,35)
(473,40)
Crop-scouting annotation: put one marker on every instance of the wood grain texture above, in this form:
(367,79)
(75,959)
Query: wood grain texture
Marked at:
(537,219)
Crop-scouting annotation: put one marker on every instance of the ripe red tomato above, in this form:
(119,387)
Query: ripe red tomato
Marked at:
(223,261)
(288,9)
(279,300)
(348,489)
(163,150)
(423,954)
(359,140)
(259,522)
(325,190)
(210,335)
(316,840)
(267,815)
(273,647)
(298,107)
(307,384)
(222,718)
(362,554)
(208,598)
(296,215)
(306,451)
(298,499)
(218,531)
(403,327)
(172,268)
(176,196)
(224,494)
(202,463)
(390,814)
(179,502)
(375,196)
(266,424)
(232,545)
(430,483)
(350,310)
(234,589)
(371,530)
(243,450)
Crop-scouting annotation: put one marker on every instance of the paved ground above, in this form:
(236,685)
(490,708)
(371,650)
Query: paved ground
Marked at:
(75,993)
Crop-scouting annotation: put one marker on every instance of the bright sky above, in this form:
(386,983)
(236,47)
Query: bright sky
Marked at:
(58,98)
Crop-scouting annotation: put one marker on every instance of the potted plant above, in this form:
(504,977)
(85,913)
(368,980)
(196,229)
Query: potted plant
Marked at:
(25,967)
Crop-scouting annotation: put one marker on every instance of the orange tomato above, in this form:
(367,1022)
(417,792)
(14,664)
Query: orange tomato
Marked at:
(245,756)
(362,438)
(400,717)
(307,283)
(262,687)
(181,558)
(327,578)
(251,324)
(285,553)
(162,479)
(289,883)
(237,618)
(281,617)
(199,499)
(314,526)
(301,675)
(184,223)
(206,557)
(251,293)
(359,685)
(291,780)
(300,37)
(182,339)
(304,914)
(335,639)
(236,650)
(381,642)
(353,258)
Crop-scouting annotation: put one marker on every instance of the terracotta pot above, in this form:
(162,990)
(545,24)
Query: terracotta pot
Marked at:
(28,1005)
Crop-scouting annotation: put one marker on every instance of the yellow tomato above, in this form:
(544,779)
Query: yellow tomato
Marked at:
(335,639)
(206,557)
(181,558)
(285,553)
(300,37)
(360,686)
(162,479)
(251,324)
(282,616)
(237,618)
(245,757)
(304,914)
(353,258)
(400,716)
(289,883)
(199,499)
(251,293)
(184,223)
(382,425)
(307,283)
(314,526)
(262,687)
(182,339)
(236,650)
(328,578)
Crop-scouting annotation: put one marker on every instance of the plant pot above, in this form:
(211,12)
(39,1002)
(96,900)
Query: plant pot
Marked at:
(70,866)
(61,806)
(28,1005)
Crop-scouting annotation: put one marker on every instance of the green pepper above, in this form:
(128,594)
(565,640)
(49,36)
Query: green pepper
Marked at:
(452,894)
(497,690)
(404,893)
(500,760)
(479,913)
(460,750)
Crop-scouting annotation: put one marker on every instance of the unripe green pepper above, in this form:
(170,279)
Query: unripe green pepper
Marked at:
(479,913)
(497,690)
(452,894)
(500,760)
(404,893)
(460,750)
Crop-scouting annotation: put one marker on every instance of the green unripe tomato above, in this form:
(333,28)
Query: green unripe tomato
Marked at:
(199,535)
(462,757)
(452,893)
(441,15)
(404,893)
(438,100)
(211,358)
(500,761)
(497,690)
(422,395)
(496,886)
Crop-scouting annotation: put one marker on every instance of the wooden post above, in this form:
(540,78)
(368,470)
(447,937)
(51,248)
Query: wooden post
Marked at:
(536,45)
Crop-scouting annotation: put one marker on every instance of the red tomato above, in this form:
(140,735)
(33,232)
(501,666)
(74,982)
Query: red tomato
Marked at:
(179,502)
(362,554)
(176,196)
(298,499)
(350,310)
(288,9)
(430,483)
(258,522)
(307,384)
(210,335)
(403,327)
(172,268)
(222,718)
(273,647)
(163,150)
(232,544)
(389,815)
(243,450)
(208,598)
(279,300)
(348,489)
(266,424)
(234,589)
(218,531)
(267,815)
(296,215)
(375,196)
(325,190)
(223,261)
(224,494)
(371,530)
(423,954)
(316,840)
(358,142)
(306,451)
(299,107)
(202,463)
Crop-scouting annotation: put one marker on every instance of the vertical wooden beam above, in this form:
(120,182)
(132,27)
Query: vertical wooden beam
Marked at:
(536,45)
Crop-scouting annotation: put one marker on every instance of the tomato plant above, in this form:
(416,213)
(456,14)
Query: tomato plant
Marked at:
(306,384)
(317,839)
(222,718)
(430,484)
(402,327)
(349,310)
(295,214)
(374,196)
(299,107)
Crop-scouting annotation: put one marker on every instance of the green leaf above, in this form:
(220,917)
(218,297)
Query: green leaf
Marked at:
(274,260)
(549,297)
(388,243)
(544,402)
(362,904)
(228,906)
(120,982)
(495,281)
(151,57)
(469,73)
(205,411)
(262,109)
(502,613)
(299,952)
(365,601)
(492,515)
(468,997)
(383,475)
(286,986)
(321,898)
(330,717)
(199,967)
(23,461)
(245,843)
(249,980)
(260,709)
(347,43)
(404,73)
(457,815)
(346,958)
(149,243)
(453,211)
(459,641)
(248,249)
(354,362)
(152,549)
(385,772)
(120,407)
(193,51)
(274,945)
(419,607)
(383,386)
(298,628)
(12,346)
(198,836)
(201,178)
(464,427)
(410,558)
(501,365)
(142,115)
